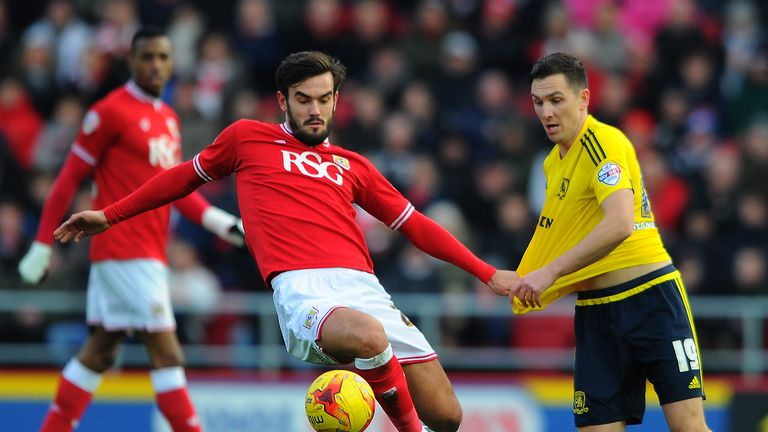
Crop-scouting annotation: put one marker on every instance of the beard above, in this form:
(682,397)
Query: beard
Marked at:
(305,137)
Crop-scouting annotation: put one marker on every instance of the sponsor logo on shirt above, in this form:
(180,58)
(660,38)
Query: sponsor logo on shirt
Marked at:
(145,124)
(163,151)
(312,165)
(609,174)
(173,127)
(546,222)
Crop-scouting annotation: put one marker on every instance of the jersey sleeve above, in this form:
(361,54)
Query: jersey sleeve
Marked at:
(74,171)
(97,132)
(378,197)
(609,163)
(218,160)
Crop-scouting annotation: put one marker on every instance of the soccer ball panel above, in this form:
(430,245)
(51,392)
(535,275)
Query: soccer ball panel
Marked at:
(340,401)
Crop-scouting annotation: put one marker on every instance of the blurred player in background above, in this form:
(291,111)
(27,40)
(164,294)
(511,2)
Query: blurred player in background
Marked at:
(596,235)
(297,193)
(125,139)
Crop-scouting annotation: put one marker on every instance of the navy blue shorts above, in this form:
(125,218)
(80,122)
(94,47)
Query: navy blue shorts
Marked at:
(638,330)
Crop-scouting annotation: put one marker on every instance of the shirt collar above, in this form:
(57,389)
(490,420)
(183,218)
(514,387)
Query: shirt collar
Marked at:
(137,92)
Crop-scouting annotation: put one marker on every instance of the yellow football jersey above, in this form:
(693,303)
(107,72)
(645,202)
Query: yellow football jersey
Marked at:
(600,162)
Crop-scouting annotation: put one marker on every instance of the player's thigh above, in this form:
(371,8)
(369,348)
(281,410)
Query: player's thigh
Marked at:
(685,415)
(348,334)
(163,348)
(608,427)
(432,392)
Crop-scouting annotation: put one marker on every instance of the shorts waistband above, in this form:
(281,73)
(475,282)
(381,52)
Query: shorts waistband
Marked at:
(626,286)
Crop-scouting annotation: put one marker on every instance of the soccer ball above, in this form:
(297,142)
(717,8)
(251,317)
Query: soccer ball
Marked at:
(340,401)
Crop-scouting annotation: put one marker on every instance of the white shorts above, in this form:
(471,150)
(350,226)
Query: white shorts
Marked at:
(130,295)
(305,298)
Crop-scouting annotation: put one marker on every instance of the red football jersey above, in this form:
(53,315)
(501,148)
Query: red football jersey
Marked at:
(297,201)
(128,137)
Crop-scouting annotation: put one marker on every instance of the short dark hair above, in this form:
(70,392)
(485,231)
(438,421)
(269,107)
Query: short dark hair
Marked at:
(146,33)
(560,63)
(299,66)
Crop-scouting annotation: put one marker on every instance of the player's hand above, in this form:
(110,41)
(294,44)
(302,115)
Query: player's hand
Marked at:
(225,225)
(532,285)
(80,225)
(34,266)
(503,281)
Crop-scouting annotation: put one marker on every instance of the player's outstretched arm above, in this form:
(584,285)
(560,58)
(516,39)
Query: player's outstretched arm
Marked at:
(503,281)
(435,240)
(80,225)
(33,267)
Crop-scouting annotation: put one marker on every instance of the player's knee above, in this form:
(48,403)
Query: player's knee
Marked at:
(99,362)
(369,338)
(448,422)
(164,359)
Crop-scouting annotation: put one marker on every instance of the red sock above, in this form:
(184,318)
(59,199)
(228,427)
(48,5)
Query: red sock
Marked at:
(67,407)
(391,390)
(177,407)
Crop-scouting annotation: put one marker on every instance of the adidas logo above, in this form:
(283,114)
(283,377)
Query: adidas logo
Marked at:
(694,383)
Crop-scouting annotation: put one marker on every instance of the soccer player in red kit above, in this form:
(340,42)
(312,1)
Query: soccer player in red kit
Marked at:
(125,139)
(297,193)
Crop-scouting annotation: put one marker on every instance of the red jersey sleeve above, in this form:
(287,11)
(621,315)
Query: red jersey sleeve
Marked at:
(435,240)
(164,188)
(57,202)
(379,198)
(98,130)
(219,159)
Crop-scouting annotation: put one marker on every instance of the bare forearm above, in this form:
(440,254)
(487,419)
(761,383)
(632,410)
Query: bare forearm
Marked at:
(604,238)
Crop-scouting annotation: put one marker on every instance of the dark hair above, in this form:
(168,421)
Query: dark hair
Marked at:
(560,63)
(146,33)
(306,64)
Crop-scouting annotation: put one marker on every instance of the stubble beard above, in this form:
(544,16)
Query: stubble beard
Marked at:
(308,138)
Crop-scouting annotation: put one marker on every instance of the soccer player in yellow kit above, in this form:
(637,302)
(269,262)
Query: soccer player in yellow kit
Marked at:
(596,235)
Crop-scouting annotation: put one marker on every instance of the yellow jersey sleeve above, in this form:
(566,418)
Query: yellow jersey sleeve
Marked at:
(612,168)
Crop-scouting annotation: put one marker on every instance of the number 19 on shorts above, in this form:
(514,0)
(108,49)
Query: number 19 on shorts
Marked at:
(686,353)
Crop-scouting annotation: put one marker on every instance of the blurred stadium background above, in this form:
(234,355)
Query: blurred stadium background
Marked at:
(438,99)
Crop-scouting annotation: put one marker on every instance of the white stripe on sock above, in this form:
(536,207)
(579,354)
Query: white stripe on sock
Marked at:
(79,375)
(167,379)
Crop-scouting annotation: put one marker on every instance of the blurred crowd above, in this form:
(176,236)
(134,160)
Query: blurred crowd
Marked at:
(438,99)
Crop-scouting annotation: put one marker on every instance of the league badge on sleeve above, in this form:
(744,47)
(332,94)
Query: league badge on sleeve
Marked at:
(609,174)
(91,122)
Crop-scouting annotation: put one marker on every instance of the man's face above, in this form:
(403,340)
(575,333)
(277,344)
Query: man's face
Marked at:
(151,64)
(309,108)
(560,108)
